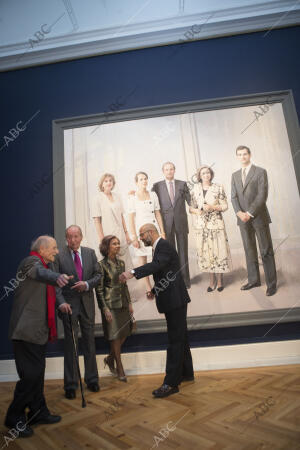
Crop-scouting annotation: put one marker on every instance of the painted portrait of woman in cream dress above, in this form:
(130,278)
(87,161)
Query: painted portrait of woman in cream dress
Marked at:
(108,215)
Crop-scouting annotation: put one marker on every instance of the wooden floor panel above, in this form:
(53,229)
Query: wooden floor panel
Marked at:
(244,409)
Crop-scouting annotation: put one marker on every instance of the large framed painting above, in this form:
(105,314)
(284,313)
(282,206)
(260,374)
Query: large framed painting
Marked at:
(128,153)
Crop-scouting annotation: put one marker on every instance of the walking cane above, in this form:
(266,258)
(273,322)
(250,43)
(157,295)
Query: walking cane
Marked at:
(83,404)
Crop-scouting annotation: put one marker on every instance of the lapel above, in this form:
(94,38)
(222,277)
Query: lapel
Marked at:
(239,183)
(157,247)
(166,194)
(249,176)
(177,184)
(84,262)
(199,194)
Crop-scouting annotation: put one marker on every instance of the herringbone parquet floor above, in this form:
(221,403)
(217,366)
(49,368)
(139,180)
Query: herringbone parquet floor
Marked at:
(244,409)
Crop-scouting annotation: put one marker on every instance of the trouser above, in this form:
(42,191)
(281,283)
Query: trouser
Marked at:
(179,359)
(182,250)
(29,391)
(87,326)
(266,251)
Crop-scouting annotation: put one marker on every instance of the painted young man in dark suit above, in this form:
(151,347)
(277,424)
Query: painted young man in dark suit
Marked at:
(32,324)
(81,262)
(173,196)
(171,299)
(249,193)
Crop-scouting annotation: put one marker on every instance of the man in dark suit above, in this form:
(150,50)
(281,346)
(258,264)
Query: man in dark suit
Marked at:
(32,323)
(171,299)
(172,195)
(82,263)
(249,192)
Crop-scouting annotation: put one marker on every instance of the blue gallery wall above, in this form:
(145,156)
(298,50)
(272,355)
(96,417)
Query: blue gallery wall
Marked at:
(223,67)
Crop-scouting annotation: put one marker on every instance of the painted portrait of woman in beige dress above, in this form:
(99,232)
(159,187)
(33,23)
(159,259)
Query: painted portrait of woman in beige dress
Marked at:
(108,215)
(208,202)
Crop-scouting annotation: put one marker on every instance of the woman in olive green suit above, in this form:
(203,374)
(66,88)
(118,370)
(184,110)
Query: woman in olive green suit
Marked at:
(114,302)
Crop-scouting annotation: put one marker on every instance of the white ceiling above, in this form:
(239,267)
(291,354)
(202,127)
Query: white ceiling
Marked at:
(41,31)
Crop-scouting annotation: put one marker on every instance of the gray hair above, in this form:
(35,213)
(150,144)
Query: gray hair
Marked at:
(40,242)
(75,226)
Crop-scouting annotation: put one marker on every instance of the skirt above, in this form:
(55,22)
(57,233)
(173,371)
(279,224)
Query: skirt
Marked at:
(213,253)
(120,326)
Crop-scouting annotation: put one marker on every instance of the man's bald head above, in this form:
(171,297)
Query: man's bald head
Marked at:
(46,246)
(148,234)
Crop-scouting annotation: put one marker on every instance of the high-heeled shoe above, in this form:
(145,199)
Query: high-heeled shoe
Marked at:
(110,362)
(220,288)
(209,289)
(121,377)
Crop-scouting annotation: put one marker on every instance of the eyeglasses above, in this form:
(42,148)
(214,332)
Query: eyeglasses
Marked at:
(147,231)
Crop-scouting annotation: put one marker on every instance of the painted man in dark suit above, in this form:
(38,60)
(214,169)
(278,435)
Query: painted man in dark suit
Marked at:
(249,193)
(171,299)
(81,262)
(32,324)
(172,195)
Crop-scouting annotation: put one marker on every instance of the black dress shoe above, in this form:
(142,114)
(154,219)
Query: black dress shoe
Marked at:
(70,394)
(50,419)
(164,391)
(271,291)
(220,289)
(22,428)
(192,378)
(94,387)
(248,286)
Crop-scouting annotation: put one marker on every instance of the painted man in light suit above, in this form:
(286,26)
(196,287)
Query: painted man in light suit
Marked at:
(81,262)
(249,192)
(172,195)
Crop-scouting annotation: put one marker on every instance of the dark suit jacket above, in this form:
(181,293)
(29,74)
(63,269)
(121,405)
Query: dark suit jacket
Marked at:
(173,214)
(28,321)
(170,290)
(91,273)
(252,196)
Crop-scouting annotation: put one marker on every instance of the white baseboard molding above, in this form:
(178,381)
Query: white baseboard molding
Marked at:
(204,358)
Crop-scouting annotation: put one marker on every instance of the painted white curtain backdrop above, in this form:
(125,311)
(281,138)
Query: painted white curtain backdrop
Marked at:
(188,140)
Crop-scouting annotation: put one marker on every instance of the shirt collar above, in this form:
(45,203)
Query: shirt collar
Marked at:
(155,243)
(168,181)
(247,168)
(79,251)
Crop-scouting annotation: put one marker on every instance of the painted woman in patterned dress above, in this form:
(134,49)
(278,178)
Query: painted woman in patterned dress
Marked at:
(208,203)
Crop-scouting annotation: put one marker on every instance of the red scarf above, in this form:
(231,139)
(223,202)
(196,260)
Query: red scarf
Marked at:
(51,300)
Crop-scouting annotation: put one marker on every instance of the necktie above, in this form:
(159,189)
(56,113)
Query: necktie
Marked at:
(172,195)
(244,176)
(78,265)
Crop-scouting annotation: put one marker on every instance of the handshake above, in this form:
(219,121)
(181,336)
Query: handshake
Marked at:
(125,276)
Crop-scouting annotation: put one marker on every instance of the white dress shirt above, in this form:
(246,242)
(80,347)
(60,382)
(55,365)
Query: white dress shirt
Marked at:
(168,186)
(247,168)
